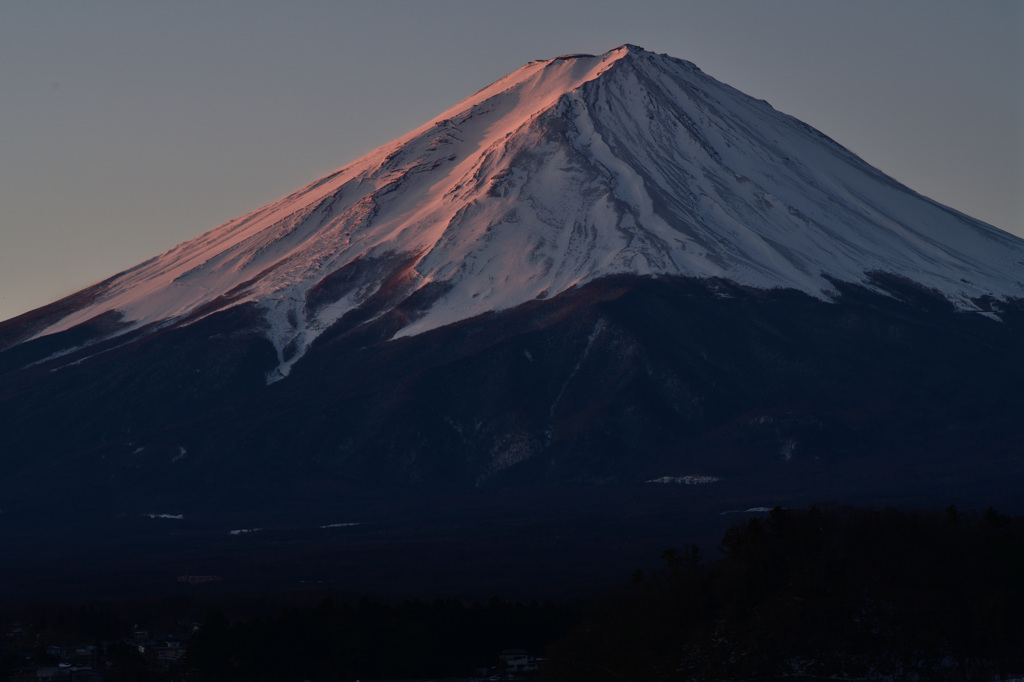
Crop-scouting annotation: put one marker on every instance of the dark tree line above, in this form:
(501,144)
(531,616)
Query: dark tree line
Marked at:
(832,593)
(814,594)
(370,640)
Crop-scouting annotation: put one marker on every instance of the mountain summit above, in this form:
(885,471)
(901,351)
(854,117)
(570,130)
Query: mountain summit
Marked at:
(563,172)
(594,310)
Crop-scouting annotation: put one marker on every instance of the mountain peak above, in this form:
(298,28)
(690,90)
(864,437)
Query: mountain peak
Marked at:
(629,47)
(563,172)
(621,50)
(563,57)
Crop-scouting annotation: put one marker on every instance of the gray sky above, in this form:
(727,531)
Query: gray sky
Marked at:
(128,127)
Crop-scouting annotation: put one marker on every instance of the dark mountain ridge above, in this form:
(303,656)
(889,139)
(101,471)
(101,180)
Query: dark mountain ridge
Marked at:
(738,398)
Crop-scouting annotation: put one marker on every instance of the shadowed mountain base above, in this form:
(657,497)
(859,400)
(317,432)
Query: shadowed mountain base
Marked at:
(513,453)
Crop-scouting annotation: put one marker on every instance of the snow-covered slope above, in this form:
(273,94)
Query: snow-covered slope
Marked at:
(562,172)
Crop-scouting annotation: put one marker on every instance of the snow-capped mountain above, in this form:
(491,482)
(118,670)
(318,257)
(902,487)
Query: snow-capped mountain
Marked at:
(563,172)
(602,302)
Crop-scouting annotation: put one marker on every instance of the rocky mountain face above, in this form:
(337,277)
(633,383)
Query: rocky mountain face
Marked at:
(602,303)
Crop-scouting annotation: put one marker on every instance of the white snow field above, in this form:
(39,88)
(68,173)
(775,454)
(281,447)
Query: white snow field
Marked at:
(562,172)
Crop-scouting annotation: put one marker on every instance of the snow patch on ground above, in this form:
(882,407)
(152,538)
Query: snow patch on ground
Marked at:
(690,479)
(752,510)
(54,356)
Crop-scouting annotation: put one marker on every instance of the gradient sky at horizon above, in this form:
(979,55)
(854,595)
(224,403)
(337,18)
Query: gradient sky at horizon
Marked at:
(127,127)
